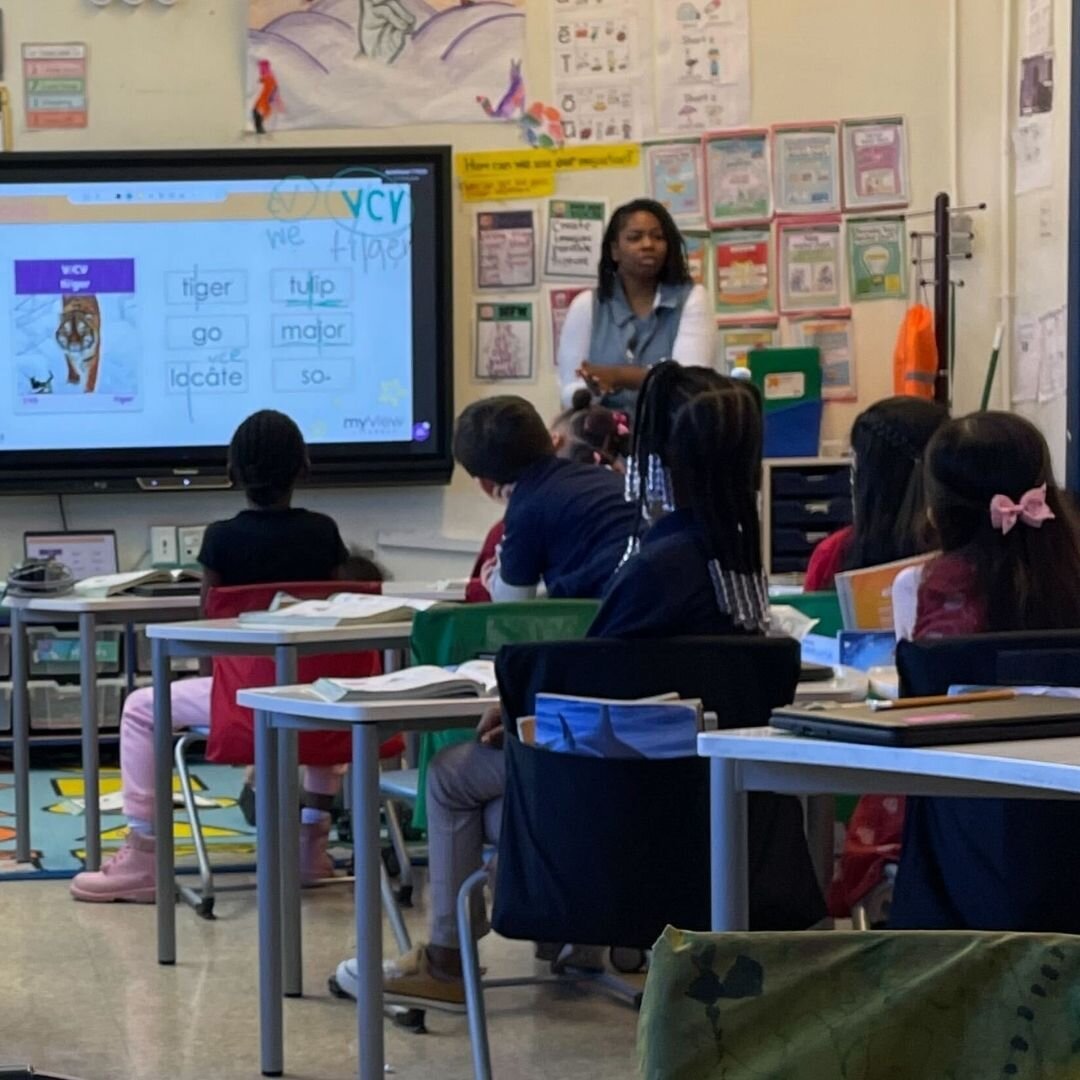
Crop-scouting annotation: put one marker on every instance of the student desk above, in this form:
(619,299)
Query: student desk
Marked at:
(123,608)
(229,637)
(284,710)
(766,759)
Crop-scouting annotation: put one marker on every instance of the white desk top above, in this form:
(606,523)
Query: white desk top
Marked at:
(847,684)
(232,632)
(73,604)
(303,701)
(1053,764)
(449,592)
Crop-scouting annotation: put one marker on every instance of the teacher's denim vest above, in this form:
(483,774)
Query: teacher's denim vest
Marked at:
(620,337)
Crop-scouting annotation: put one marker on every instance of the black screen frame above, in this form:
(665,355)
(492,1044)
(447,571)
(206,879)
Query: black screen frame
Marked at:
(198,468)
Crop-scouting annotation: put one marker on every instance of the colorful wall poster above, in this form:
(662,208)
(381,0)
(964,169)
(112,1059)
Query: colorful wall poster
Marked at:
(806,166)
(575,235)
(54,86)
(834,339)
(735,343)
(702,65)
(560,298)
(737,178)
(597,71)
(505,249)
(742,261)
(674,176)
(877,258)
(697,256)
(875,157)
(504,340)
(811,266)
(383,63)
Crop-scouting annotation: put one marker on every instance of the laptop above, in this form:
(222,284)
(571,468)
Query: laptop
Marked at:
(1021,717)
(85,554)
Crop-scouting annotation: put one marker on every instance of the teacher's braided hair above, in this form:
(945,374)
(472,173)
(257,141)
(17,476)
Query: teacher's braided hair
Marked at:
(267,456)
(674,269)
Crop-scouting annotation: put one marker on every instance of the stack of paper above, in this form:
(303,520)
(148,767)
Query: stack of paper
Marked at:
(474,679)
(340,609)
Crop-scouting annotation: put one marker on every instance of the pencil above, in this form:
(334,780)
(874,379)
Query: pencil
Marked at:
(943,699)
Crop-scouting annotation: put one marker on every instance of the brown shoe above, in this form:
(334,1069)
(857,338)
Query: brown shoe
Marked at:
(410,980)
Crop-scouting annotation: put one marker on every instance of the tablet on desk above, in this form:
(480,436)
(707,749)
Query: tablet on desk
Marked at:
(168,588)
(1021,717)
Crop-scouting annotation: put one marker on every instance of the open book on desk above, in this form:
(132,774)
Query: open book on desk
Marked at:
(114,584)
(340,609)
(473,679)
(866,595)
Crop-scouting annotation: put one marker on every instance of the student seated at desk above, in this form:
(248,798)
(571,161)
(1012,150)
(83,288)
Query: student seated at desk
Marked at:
(1010,543)
(887,498)
(269,541)
(586,433)
(699,571)
(566,524)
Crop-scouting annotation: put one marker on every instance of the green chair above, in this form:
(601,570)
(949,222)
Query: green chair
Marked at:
(875,1005)
(823,606)
(453,633)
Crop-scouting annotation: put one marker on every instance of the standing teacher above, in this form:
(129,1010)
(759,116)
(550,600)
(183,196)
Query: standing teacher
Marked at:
(645,308)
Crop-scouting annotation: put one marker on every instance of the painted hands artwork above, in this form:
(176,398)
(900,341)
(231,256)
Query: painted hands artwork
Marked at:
(383,30)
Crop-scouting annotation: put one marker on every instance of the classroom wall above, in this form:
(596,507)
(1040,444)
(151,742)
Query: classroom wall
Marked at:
(1041,222)
(165,77)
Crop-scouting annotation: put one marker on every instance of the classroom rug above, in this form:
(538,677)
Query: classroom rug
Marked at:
(58,834)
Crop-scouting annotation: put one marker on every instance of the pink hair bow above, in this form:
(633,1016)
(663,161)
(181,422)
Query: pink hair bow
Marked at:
(1031,510)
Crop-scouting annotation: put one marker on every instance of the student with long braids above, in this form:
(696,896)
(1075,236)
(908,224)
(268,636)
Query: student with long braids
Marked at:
(695,472)
(269,541)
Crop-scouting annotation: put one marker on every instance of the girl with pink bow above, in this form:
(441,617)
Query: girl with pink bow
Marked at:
(1010,560)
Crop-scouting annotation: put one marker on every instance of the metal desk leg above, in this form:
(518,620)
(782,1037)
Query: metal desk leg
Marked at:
(820,823)
(89,723)
(163,805)
(365,808)
(268,872)
(20,731)
(285,662)
(730,885)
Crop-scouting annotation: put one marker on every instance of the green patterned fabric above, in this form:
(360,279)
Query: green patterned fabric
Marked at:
(453,633)
(911,1005)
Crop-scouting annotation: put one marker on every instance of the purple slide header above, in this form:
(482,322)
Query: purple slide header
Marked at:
(73,277)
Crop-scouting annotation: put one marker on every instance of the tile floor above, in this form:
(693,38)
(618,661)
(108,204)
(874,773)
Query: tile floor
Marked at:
(81,994)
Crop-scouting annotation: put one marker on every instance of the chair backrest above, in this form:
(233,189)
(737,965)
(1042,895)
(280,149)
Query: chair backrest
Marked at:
(232,738)
(876,1005)
(1023,658)
(454,633)
(610,851)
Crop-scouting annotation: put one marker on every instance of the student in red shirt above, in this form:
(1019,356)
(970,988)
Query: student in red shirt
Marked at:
(888,440)
(1010,560)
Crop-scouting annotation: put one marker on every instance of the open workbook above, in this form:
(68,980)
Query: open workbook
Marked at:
(340,609)
(473,679)
(113,584)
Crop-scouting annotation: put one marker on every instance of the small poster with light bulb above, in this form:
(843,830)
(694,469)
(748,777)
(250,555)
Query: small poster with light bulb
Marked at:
(877,258)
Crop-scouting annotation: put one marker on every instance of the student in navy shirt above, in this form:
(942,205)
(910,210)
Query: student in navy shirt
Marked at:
(567,523)
(695,475)
(697,461)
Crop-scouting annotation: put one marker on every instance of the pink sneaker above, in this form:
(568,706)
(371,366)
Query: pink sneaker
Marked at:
(127,875)
(315,861)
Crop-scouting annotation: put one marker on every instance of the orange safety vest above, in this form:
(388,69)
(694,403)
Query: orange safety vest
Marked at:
(915,359)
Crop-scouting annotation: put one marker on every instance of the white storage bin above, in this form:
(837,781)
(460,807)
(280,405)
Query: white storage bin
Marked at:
(56,707)
(5,707)
(144,657)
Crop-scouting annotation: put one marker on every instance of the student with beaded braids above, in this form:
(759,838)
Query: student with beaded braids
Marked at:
(888,440)
(268,541)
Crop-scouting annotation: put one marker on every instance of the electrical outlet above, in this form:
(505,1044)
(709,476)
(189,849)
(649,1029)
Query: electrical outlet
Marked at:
(163,546)
(190,537)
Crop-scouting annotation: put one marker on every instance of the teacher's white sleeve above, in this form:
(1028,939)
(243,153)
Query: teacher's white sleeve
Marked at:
(574,345)
(695,343)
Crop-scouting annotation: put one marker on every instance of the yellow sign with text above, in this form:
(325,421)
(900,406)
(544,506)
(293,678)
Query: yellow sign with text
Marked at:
(524,174)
